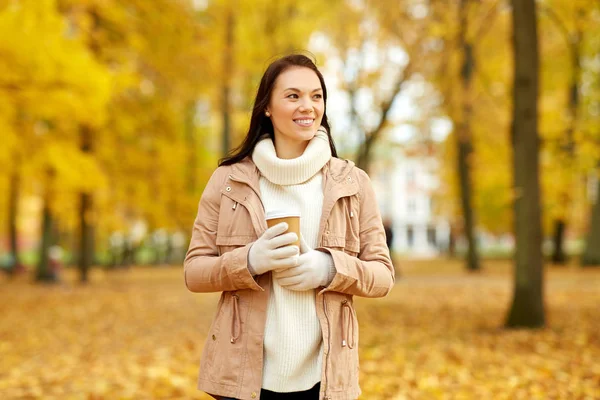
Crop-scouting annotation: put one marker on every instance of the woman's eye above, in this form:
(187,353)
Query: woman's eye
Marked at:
(318,96)
(293,96)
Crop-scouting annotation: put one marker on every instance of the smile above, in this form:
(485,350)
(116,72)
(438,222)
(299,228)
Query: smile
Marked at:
(304,122)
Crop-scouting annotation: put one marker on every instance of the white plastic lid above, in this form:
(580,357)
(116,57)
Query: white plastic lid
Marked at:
(272,214)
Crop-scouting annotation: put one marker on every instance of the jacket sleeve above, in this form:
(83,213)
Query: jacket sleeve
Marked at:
(204,269)
(371,274)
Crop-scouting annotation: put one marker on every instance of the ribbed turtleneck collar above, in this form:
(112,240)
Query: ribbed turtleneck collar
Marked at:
(296,170)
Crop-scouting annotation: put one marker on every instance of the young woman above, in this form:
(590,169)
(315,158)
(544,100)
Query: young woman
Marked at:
(285,326)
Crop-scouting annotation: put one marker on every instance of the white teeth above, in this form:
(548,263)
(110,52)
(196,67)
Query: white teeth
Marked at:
(304,121)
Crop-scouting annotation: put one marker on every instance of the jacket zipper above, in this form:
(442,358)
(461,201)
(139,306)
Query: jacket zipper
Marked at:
(325,397)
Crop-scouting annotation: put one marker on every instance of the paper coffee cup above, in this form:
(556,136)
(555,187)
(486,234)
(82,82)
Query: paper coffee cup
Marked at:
(292,218)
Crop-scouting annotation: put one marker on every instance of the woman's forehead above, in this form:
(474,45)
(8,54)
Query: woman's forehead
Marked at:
(299,78)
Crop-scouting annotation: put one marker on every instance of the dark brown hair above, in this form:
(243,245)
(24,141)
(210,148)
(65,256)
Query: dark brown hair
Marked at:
(260,124)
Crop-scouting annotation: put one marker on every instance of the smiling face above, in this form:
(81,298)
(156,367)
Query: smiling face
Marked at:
(296,109)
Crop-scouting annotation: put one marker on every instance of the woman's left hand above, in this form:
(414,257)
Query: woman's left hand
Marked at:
(315,268)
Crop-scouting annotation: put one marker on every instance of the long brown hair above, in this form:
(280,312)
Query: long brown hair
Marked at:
(260,124)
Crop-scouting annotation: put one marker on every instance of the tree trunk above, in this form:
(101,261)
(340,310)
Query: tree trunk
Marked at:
(527,308)
(13,210)
(192,146)
(86,200)
(467,207)
(168,259)
(558,252)
(591,255)
(574,41)
(465,141)
(226,89)
(128,253)
(363,160)
(43,271)
(452,242)
(86,220)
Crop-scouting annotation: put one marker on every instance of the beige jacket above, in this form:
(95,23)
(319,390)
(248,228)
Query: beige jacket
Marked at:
(230,218)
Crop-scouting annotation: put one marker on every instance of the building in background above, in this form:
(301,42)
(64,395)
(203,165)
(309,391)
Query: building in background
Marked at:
(405,187)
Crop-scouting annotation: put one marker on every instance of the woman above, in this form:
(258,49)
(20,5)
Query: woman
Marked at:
(285,326)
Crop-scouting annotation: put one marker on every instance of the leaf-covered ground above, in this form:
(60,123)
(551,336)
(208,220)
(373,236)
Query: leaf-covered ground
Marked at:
(138,334)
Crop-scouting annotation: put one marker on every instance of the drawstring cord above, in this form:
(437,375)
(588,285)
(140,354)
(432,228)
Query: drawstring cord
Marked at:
(347,323)
(236,322)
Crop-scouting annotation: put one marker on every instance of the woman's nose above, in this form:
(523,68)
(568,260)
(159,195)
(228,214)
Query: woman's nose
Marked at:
(306,107)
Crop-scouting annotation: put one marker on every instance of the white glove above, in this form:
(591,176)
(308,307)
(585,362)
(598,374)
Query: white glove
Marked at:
(266,254)
(315,268)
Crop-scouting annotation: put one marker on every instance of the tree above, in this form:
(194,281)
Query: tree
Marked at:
(471,78)
(570,21)
(591,129)
(153,51)
(49,95)
(464,135)
(385,31)
(591,254)
(527,308)
(228,68)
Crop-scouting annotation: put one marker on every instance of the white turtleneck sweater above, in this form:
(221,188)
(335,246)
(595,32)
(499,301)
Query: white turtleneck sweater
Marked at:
(293,345)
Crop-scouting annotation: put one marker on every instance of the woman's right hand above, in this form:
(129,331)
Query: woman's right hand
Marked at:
(267,253)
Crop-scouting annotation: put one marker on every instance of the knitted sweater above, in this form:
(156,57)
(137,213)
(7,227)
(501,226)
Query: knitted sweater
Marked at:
(293,345)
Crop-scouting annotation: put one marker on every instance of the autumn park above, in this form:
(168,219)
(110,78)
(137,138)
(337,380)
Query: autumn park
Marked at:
(478,122)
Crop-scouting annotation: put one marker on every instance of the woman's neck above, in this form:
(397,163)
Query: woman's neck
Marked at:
(288,149)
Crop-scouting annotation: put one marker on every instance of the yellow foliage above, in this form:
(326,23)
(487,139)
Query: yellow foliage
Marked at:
(562,177)
(133,73)
(490,162)
(9,140)
(50,74)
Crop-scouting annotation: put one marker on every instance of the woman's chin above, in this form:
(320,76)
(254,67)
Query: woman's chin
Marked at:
(298,134)
(302,135)
(307,136)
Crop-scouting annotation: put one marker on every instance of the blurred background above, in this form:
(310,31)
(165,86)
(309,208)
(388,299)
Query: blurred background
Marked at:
(114,113)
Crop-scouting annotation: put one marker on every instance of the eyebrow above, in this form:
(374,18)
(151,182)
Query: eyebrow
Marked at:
(298,90)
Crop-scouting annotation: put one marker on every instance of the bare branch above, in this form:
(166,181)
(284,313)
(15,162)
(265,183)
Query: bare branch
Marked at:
(387,104)
(488,21)
(562,27)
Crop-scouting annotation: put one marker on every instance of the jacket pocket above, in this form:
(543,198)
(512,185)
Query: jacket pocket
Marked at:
(340,243)
(227,243)
(343,340)
(350,338)
(207,359)
(235,227)
(342,231)
(229,344)
(352,248)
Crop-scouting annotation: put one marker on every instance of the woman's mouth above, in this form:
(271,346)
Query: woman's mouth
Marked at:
(305,123)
